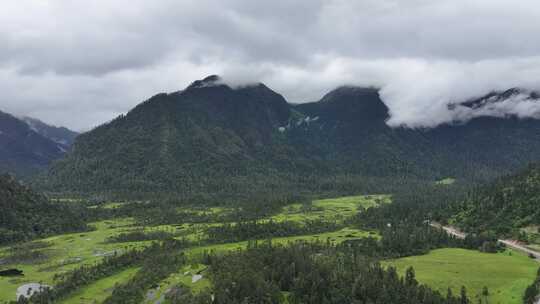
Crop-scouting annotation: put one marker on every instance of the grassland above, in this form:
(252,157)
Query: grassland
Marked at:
(68,251)
(331,209)
(98,291)
(505,274)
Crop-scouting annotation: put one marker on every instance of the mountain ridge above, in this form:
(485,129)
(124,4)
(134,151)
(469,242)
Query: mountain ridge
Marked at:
(22,150)
(61,135)
(211,136)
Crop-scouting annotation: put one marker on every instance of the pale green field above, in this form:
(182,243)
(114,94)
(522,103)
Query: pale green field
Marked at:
(180,276)
(331,209)
(334,237)
(506,275)
(67,251)
(98,291)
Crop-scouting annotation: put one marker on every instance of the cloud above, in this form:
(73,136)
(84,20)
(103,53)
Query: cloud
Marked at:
(82,63)
(520,105)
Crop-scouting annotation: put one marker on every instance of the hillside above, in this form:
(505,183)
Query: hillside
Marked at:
(22,150)
(26,214)
(60,135)
(503,206)
(351,121)
(202,137)
(212,139)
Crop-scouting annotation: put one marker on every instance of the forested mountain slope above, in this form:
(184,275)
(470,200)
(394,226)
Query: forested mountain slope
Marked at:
(212,138)
(60,135)
(22,150)
(351,122)
(26,214)
(199,138)
(509,203)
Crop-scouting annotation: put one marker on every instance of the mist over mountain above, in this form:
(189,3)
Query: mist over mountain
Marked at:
(212,137)
(61,135)
(270,152)
(302,50)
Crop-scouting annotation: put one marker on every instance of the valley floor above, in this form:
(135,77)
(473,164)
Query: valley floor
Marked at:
(505,274)
(69,251)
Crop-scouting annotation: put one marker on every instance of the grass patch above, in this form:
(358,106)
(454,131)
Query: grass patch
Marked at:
(335,237)
(337,209)
(98,291)
(69,251)
(506,274)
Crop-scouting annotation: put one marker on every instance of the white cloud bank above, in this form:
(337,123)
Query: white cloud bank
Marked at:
(82,63)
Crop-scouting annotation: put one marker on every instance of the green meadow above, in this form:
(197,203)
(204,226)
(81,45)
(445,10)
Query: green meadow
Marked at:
(506,274)
(66,252)
(331,209)
(100,290)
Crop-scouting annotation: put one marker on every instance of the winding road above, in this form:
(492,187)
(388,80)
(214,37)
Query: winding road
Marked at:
(509,243)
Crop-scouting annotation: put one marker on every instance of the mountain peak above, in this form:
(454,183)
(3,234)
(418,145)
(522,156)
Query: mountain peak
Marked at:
(350,91)
(353,103)
(209,81)
(498,96)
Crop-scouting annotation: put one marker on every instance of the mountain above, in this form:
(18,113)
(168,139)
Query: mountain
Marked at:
(206,136)
(213,139)
(26,214)
(350,122)
(23,150)
(60,135)
(503,206)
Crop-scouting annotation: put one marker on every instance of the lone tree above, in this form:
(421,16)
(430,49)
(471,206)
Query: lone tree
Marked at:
(463,296)
(485,294)
(410,279)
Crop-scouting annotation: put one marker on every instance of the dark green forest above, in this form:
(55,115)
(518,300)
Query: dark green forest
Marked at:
(503,206)
(27,215)
(214,141)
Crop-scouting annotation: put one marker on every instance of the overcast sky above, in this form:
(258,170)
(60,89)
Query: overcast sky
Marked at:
(81,63)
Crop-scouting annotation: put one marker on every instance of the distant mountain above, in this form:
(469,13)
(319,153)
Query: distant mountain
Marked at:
(61,135)
(22,150)
(503,206)
(26,214)
(212,138)
(351,122)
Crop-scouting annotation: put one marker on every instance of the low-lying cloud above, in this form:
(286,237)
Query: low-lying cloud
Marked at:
(82,63)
